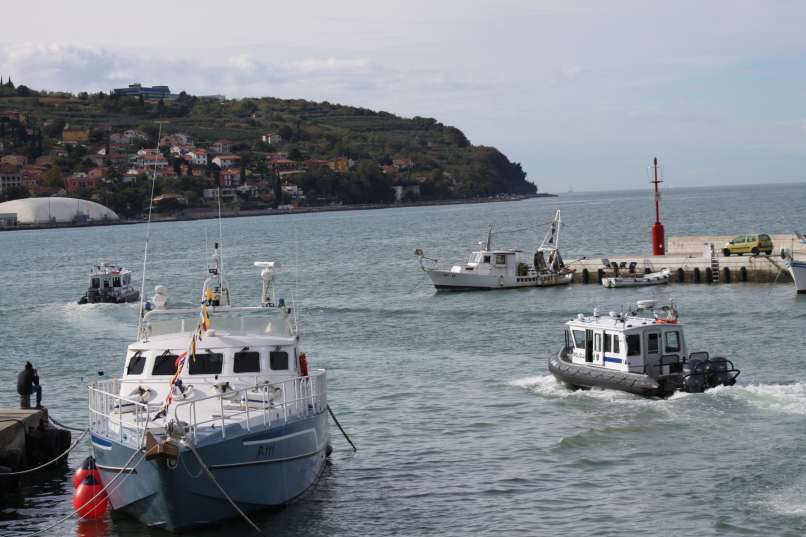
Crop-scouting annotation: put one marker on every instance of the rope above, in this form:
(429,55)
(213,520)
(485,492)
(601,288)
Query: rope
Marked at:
(102,491)
(221,489)
(63,426)
(332,415)
(71,448)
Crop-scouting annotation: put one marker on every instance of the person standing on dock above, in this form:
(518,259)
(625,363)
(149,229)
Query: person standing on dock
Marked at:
(27,383)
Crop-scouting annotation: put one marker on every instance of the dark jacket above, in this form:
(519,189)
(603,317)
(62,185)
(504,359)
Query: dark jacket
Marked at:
(24,381)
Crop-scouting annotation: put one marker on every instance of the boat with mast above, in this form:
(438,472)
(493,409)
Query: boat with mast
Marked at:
(496,268)
(216,414)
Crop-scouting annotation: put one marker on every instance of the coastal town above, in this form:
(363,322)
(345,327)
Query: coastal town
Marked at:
(110,162)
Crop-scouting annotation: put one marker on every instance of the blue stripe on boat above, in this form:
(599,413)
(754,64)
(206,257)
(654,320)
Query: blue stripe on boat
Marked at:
(100,441)
(613,360)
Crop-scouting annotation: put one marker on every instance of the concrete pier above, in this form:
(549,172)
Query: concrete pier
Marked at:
(26,441)
(689,261)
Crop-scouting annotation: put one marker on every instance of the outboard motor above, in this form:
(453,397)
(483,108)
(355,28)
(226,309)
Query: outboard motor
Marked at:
(717,373)
(694,375)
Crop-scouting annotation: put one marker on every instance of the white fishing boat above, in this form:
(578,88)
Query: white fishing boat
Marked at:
(643,351)
(638,280)
(216,413)
(798,271)
(491,268)
(110,283)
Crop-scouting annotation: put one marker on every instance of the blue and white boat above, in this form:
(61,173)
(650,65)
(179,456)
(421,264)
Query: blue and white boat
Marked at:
(216,408)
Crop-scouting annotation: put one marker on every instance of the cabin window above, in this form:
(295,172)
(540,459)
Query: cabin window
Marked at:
(106,283)
(579,339)
(116,281)
(652,344)
(597,342)
(608,338)
(96,283)
(633,345)
(278,360)
(487,259)
(206,364)
(615,344)
(246,362)
(672,341)
(136,364)
(500,259)
(126,279)
(164,364)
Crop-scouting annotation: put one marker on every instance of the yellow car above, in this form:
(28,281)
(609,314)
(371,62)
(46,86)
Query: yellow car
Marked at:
(748,244)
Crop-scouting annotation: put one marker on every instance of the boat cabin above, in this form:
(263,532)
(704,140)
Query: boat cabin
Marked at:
(242,348)
(627,342)
(109,277)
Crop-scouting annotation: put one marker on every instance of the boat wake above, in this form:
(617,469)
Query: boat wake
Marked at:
(783,398)
(548,386)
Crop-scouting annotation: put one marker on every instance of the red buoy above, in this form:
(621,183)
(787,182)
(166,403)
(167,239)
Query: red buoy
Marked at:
(87,467)
(86,500)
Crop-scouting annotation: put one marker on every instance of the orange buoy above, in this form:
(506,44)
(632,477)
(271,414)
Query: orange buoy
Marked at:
(87,467)
(87,502)
(303,364)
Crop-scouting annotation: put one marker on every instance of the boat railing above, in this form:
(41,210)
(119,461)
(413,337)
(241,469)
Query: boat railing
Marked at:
(107,410)
(295,398)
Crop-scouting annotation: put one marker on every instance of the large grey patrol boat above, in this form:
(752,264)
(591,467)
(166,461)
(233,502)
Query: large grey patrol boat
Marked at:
(216,408)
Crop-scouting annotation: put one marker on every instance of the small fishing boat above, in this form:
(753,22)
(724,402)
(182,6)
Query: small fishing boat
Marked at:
(111,284)
(216,413)
(643,351)
(638,280)
(489,268)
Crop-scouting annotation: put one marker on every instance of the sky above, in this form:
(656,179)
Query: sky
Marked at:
(582,93)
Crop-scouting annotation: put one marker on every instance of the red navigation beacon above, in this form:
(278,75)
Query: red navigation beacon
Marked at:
(658,241)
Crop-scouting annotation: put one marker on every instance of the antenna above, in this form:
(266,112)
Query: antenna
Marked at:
(148,235)
(221,247)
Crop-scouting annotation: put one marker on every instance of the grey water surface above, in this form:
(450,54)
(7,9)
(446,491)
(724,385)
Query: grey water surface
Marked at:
(460,428)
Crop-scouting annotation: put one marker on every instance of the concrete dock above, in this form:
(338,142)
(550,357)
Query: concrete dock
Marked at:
(27,440)
(15,422)
(689,259)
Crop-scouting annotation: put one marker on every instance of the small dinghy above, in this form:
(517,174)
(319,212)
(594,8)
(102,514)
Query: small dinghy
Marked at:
(642,351)
(638,280)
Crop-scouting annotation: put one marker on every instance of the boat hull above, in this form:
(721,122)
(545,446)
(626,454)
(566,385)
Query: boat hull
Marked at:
(590,376)
(445,280)
(97,298)
(659,278)
(258,470)
(798,271)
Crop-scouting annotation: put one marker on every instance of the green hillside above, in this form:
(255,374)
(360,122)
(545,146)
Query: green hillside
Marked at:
(444,164)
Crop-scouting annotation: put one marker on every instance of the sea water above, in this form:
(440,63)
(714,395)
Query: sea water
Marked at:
(460,428)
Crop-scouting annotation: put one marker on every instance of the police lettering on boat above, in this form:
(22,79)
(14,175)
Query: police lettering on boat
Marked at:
(643,351)
(489,268)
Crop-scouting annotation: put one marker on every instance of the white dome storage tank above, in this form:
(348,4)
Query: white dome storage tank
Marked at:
(56,210)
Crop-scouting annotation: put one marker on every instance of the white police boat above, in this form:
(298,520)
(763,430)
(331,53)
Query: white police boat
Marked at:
(643,351)
(216,411)
(111,284)
(488,268)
